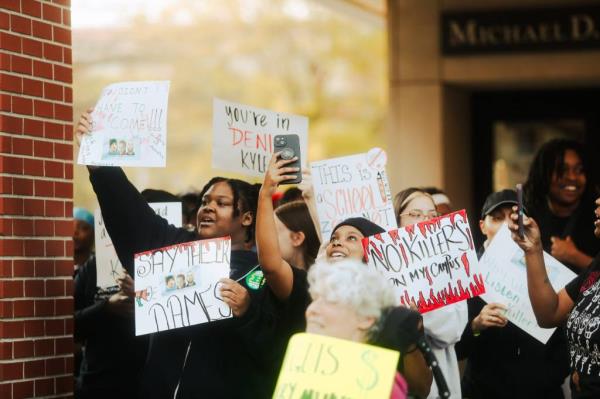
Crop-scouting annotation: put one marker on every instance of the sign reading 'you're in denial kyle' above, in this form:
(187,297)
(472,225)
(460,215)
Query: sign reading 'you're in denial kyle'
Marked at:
(178,286)
(431,263)
(243,136)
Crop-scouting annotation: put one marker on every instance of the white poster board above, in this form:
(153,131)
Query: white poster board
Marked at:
(351,186)
(431,263)
(108,266)
(243,136)
(177,286)
(505,276)
(129,126)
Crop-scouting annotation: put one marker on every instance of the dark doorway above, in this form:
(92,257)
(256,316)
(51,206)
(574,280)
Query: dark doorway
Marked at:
(510,126)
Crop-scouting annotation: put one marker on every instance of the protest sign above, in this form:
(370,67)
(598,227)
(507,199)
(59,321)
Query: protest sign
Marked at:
(108,266)
(178,286)
(350,186)
(129,126)
(317,366)
(243,136)
(505,276)
(432,263)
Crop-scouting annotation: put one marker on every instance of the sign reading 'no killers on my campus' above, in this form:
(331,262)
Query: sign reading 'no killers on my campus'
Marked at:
(431,263)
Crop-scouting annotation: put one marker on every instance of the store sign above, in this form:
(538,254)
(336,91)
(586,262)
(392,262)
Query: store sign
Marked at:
(552,29)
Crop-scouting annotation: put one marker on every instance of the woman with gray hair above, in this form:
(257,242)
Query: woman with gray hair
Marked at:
(349,302)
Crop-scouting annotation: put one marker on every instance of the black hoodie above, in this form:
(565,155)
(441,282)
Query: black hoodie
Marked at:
(507,362)
(221,361)
(114,356)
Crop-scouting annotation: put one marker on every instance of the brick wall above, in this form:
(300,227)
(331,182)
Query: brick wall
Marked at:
(36,192)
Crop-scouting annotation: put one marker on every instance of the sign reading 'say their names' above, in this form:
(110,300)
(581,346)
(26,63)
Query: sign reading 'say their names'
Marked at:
(178,286)
(243,136)
(432,263)
(129,126)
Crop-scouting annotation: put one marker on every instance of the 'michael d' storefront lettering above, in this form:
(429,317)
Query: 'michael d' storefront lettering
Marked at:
(522,30)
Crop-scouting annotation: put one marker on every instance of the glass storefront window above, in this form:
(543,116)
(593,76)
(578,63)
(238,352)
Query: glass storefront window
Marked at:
(516,143)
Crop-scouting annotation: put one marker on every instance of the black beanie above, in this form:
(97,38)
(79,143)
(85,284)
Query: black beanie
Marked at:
(365,226)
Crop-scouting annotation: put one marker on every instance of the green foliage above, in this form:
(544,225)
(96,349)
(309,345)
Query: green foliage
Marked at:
(322,65)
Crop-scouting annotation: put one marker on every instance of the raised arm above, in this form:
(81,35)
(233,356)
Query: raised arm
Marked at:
(131,224)
(550,309)
(277,271)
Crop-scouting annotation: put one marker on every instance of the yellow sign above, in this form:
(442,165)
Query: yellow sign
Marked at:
(319,367)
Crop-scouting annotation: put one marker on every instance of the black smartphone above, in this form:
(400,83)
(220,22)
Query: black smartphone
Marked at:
(520,211)
(289,147)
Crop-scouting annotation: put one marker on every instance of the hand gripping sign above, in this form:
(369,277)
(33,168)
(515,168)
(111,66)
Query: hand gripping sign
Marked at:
(350,186)
(505,276)
(178,286)
(431,263)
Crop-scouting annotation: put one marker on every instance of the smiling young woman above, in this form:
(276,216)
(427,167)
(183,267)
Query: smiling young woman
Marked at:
(346,239)
(559,195)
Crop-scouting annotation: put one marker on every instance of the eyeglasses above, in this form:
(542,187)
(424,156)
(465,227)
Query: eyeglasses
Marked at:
(420,214)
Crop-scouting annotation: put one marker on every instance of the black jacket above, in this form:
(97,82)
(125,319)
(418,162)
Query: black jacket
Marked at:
(509,363)
(114,356)
(221,361)
(579,226)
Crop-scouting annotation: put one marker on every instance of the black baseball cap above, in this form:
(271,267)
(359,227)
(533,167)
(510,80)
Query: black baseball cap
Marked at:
(497,199)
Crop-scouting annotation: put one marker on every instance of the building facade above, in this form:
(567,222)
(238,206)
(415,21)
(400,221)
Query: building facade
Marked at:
(477,86)
(36,199)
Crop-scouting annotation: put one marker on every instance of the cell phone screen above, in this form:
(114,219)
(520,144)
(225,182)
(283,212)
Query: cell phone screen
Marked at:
(520,210)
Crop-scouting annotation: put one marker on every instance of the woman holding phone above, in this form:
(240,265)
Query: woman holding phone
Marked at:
(288,283)
(577,304)
(201,360)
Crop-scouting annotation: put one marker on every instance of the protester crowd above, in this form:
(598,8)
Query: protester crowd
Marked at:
(322,285)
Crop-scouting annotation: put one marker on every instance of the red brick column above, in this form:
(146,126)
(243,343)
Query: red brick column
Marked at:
(36,191)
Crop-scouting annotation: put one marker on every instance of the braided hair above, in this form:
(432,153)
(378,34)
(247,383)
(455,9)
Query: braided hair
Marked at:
(245,198)
(548,160)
